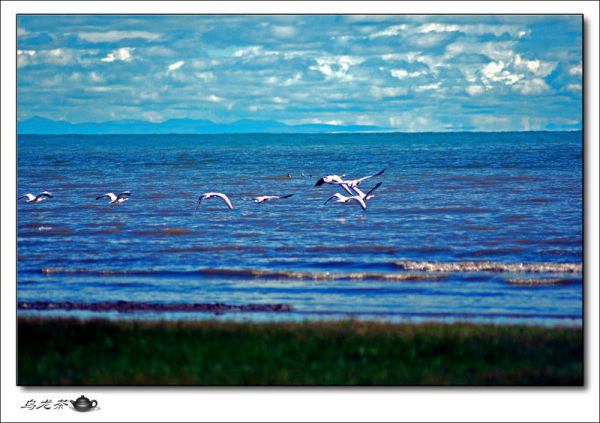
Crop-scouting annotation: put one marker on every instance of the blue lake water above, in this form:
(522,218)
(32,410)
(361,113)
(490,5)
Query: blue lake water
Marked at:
(483,227)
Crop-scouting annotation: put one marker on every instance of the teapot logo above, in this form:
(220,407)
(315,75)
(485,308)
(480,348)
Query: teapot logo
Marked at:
(84,404)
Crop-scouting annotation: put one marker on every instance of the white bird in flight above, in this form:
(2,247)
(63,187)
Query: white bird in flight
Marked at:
(208,195)
(360,198)
(330,179)
(347,185)
(264,198)
(36,199)
(356,182)
(116,199)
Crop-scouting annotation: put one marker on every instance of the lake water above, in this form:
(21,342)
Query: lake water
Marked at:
(482,227)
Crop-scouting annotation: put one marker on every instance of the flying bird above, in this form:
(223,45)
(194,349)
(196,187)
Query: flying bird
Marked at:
(330,179)
(264,198)
(334,179)
(36,199)
(356,182)
(345,199)
(208,195)
(360,198)
(116,199)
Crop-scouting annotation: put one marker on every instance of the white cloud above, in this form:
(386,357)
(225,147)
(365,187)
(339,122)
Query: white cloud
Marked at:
(493,50)
(576,70)
(401,73)
(123,54)
(385,92)
(342,64)
(389,31)
(532,123)
(574,87)
(153,116)
(24,57)
(205,76)
(254,51)
(537,67)
(429,39)
(321,121)
(409,56)
(21,31)
(247,50)
(94,77)
(495,72)
(214,99)
(52,81)
(524,33)
(293,80)
(492,69)
(175,66)
(532,87)
(474,29)
(279,100)
(428,87)
(111,36)
(437,27)
(474,89)
(283,31)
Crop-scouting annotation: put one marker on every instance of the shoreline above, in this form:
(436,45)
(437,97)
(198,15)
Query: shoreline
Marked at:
(67,351)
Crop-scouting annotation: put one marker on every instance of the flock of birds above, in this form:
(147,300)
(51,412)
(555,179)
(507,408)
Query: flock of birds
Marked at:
(350,186)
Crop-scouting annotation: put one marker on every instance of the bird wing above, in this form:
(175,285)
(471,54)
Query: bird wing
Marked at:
(29,197)
(359,201)
(320,182)
(44,194)
(333,196)
(110,195)
(372,189)
(286,196)
(359,180)
(124,194)
(225,198)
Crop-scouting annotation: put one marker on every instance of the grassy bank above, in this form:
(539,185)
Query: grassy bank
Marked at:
(73,352)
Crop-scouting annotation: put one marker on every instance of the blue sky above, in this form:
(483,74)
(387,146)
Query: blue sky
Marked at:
(409,73)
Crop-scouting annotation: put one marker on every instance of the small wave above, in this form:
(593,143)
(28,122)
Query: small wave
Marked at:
(249,274)
(541,281)
(286,274)
(488,266)
(163,231)
(246,248)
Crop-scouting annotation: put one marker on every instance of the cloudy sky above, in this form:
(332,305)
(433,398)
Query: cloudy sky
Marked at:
(409,73)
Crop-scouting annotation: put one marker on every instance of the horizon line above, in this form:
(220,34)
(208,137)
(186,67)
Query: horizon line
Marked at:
(307,133)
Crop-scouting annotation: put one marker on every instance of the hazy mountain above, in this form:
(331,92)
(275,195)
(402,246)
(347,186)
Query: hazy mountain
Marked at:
(40,125)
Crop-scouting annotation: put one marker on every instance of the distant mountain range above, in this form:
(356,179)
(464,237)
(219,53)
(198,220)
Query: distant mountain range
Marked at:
(40,125)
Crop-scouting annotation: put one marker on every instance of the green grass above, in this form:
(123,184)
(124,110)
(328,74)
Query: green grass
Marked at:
(100,352)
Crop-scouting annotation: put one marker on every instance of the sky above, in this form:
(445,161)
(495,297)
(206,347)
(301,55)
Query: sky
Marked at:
(404,72)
